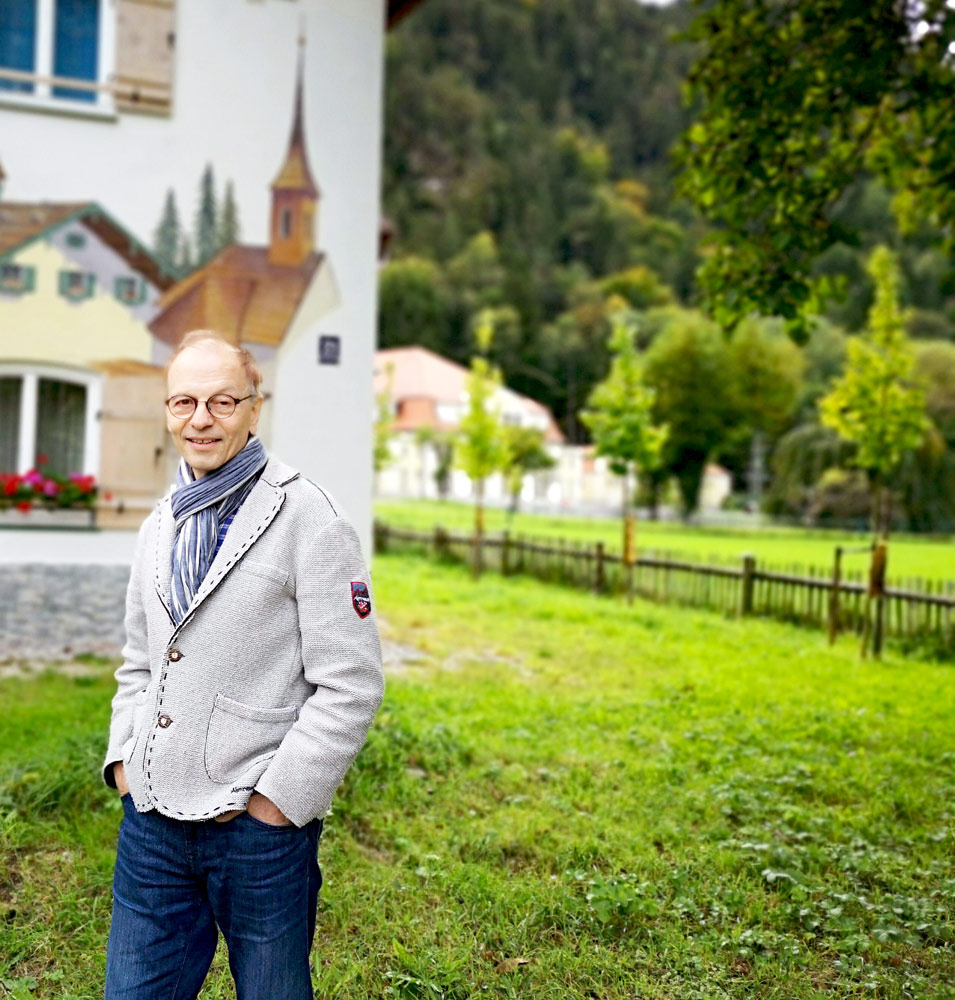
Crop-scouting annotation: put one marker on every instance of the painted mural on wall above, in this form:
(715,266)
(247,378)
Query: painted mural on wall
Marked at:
(89,316)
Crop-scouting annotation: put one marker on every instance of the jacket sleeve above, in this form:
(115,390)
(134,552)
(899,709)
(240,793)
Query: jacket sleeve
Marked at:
(341,657)
(133,675)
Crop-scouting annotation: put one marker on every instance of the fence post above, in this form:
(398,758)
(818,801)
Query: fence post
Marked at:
(599,568)
(440,542)
(749,579)
(880,558)
(505,553)
(834,593)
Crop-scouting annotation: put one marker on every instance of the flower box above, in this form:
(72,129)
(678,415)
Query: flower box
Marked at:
(36,499)
(48,517)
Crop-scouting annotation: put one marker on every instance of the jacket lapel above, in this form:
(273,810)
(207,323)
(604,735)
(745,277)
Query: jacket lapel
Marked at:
(251,519)
(165,537)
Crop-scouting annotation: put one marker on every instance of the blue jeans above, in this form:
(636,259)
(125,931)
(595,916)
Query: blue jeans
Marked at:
(176,881)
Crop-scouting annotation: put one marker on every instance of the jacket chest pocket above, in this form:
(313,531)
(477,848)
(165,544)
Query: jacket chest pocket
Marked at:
(241,736)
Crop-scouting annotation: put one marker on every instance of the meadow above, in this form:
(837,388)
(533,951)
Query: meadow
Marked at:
(911,556)
(562,797)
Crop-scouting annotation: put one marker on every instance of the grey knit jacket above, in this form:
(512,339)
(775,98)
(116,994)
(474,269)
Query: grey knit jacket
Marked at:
(271,681)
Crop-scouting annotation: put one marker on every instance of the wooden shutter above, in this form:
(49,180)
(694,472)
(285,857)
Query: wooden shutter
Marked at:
(133,441)
(145,48)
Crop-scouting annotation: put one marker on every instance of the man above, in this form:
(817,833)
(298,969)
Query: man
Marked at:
(251,673)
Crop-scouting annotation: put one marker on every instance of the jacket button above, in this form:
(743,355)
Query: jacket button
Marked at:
(164,721)
(175,655)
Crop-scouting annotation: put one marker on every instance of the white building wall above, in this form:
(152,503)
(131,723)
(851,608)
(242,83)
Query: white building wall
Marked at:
(234,87)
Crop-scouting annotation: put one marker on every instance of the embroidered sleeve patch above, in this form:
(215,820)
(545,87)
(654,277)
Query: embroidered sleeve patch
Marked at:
(360,598)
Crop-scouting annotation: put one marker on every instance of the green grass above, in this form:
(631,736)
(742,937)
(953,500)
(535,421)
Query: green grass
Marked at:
(640,802)
(910,556)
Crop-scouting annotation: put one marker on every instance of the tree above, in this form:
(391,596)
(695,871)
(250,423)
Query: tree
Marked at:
(207,217)
(441,443)
(187,263)
(525,454)
(168,234)
(384,424)
(481,448)
(414,306)
(688,366)
(228,228)
(877,404)
(796,98)
(766,369)
(620,418)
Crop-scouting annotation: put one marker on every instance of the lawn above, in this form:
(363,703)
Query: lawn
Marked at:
(910,556)
(562,797)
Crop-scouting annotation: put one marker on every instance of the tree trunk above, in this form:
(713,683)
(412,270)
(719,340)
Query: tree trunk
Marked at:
(478,558)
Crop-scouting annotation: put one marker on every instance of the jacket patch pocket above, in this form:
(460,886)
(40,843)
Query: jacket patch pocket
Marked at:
(241,736)
(264,570)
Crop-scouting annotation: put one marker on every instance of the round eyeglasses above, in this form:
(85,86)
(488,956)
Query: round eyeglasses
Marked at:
(220,405)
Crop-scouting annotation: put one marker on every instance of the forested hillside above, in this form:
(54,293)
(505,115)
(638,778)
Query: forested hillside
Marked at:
(528,171)
(525,158)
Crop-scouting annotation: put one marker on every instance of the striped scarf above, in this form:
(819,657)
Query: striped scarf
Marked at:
(199,506)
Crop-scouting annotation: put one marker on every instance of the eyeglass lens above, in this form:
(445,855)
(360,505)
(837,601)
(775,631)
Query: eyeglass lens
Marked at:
(218,406)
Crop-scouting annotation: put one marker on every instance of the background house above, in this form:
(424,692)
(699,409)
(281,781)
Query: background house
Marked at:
(427,392)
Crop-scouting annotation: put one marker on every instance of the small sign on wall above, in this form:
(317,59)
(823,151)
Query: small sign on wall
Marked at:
(329,349)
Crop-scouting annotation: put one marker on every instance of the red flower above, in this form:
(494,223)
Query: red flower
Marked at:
(42,459)
(23,506)
(107,496)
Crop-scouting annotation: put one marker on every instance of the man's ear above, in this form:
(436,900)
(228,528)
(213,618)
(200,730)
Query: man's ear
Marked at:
(256,413)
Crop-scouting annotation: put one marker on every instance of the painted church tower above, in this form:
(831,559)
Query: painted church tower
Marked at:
(293,232)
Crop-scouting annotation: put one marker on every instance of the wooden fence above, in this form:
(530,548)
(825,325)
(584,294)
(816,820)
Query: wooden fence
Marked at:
(920,613)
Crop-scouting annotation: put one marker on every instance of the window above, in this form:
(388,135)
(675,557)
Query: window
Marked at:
(50,412)
(17,42)
(76,46)
(76,240)
(60,425)
(132,291)
(88,57)
(285,223)
(58,53)
(16,278)
(9,422)
(76,285)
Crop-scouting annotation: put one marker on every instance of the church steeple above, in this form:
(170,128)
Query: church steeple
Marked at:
(294,192)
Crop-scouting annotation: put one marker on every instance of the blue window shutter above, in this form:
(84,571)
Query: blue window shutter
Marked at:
(29,279)
(64,283)
(18,41)
(90,280)
(76,45)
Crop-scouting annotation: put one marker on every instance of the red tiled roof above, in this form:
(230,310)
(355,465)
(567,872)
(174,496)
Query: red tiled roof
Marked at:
(239,294)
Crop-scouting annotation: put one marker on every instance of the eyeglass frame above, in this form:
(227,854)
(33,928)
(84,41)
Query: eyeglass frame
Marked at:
(205,403)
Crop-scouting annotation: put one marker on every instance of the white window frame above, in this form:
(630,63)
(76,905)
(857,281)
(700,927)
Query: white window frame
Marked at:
(42,99)
(92,382)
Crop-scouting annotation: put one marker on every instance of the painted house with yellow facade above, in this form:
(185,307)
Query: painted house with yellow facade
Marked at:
(78,383)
